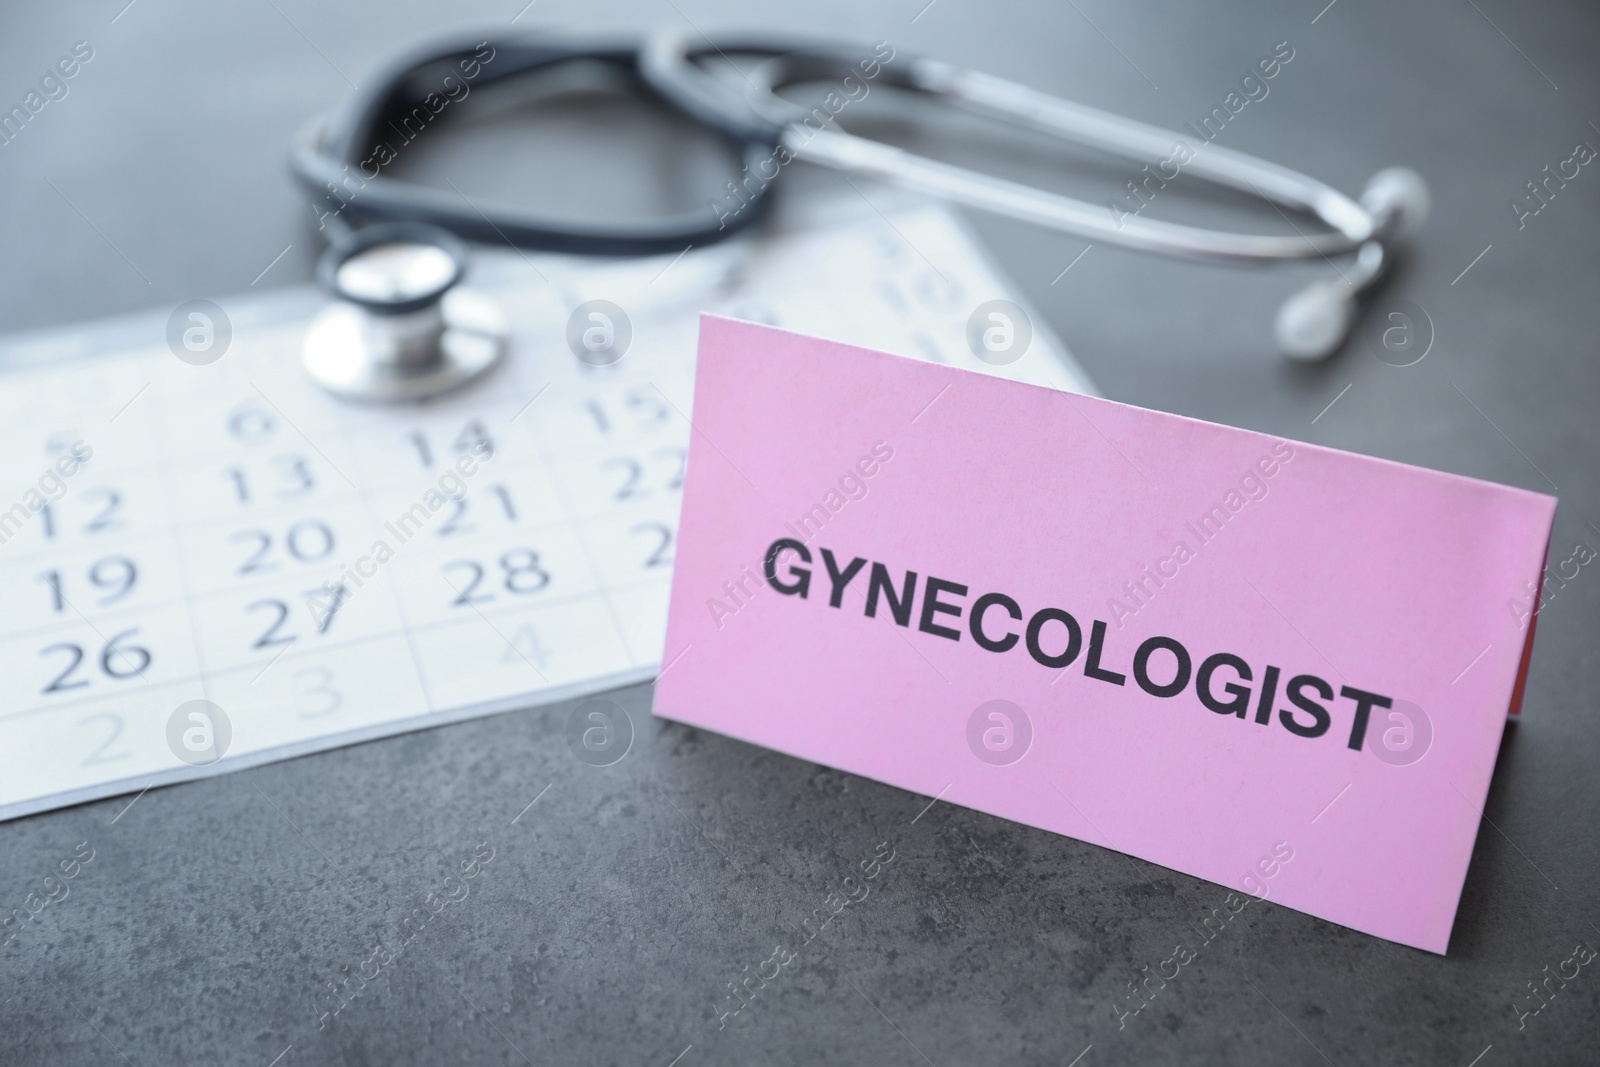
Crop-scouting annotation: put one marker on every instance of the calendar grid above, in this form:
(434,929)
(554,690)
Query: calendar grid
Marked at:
(411,644)
(419,628)
(177,534)
(265,492)
(594,571)
(487,617)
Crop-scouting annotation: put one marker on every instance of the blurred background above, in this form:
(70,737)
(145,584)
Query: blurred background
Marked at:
(608,934)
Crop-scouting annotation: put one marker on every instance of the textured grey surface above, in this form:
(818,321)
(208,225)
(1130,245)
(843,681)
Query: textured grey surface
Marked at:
(617,909)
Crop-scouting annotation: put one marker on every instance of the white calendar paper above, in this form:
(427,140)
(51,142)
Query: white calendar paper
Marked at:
(221,541)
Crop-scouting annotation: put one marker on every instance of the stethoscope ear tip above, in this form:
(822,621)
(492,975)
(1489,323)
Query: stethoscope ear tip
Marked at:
(1398,200)
(1313,323)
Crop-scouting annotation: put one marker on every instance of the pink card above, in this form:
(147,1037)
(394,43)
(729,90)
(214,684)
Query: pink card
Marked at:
(1276,666)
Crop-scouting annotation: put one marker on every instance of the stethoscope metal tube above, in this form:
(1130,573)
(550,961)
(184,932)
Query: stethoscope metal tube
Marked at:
(1025,203)
(985,94)
(1311,324)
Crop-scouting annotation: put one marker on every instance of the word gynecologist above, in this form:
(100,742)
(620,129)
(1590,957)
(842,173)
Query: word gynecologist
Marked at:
(992,623)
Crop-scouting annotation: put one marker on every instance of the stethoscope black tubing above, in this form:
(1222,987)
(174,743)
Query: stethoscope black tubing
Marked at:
(324,158)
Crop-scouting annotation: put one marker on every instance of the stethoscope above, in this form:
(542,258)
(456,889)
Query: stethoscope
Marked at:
(401,328)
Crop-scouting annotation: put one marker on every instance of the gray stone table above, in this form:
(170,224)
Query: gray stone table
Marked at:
(616,912)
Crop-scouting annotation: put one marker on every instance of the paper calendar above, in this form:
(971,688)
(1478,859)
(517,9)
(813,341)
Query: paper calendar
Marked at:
(321,573)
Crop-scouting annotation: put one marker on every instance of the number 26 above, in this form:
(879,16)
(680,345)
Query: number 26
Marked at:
(116,661)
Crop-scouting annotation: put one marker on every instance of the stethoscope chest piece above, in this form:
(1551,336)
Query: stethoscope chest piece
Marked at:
(399,328)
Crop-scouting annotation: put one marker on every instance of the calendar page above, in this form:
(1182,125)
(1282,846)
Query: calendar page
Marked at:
(205,567)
